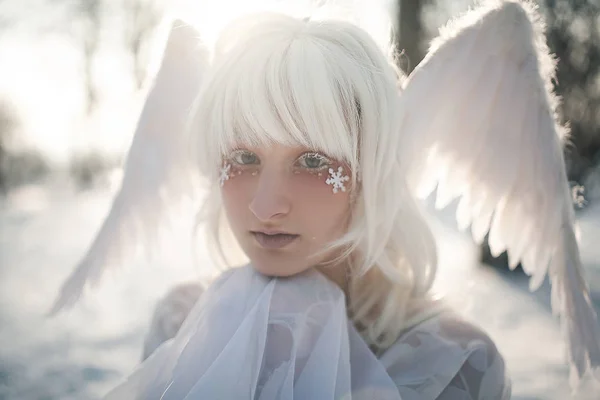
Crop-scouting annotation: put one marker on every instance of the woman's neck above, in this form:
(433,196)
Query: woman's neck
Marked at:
(337,273)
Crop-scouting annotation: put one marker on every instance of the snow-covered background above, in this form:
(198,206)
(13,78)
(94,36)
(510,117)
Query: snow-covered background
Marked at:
(80,354)
(47,224)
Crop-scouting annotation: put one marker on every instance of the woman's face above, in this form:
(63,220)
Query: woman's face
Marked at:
(281,205)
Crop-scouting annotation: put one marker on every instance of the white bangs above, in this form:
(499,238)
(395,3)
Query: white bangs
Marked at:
(281,83)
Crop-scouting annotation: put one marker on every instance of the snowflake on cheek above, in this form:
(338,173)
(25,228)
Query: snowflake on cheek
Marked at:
(337,180)
(224,175)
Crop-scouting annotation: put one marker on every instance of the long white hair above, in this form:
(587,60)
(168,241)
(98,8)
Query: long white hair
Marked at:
(326,85)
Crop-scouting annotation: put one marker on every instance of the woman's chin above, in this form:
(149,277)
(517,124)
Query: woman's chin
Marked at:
(276,271)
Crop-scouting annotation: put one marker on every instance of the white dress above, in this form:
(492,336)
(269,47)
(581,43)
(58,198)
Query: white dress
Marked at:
(253,337)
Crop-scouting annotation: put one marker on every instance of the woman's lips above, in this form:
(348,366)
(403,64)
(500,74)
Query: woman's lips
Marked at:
(275,240)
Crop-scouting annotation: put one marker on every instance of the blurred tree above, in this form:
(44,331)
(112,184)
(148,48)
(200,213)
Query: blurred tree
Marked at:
(574,36)
(16,167)
(92,23)
(141,20)
(409,33)
(8,123)
(144,17)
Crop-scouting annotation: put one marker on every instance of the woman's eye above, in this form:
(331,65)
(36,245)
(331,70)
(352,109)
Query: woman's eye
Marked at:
(243,157)
(314,161)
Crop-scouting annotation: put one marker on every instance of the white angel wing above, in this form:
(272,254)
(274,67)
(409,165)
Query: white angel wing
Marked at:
(158,183)
(479,121)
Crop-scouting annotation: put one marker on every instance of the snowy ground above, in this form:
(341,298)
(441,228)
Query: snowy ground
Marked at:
(82,353)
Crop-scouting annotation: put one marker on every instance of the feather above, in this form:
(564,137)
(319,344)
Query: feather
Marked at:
(486,83)
(157,187)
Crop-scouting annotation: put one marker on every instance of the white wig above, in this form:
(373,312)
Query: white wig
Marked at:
(326,85)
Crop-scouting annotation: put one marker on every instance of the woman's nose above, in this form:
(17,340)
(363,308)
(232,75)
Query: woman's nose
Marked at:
(271,199)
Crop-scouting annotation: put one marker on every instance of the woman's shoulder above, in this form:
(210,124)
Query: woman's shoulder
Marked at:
(447,357)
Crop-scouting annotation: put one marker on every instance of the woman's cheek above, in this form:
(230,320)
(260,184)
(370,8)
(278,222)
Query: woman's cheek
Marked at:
(314,197)
(320,184)
(237,190)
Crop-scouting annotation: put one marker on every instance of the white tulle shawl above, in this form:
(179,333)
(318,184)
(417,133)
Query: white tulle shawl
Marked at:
(251,337)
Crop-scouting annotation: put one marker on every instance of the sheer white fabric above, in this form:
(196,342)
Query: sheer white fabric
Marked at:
(251,337)
(445,358)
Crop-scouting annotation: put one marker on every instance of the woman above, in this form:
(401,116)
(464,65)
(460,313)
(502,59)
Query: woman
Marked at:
(300,131)
(299,134)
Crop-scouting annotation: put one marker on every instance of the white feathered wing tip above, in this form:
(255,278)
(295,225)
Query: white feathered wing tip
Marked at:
(480,123)
(158,188)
